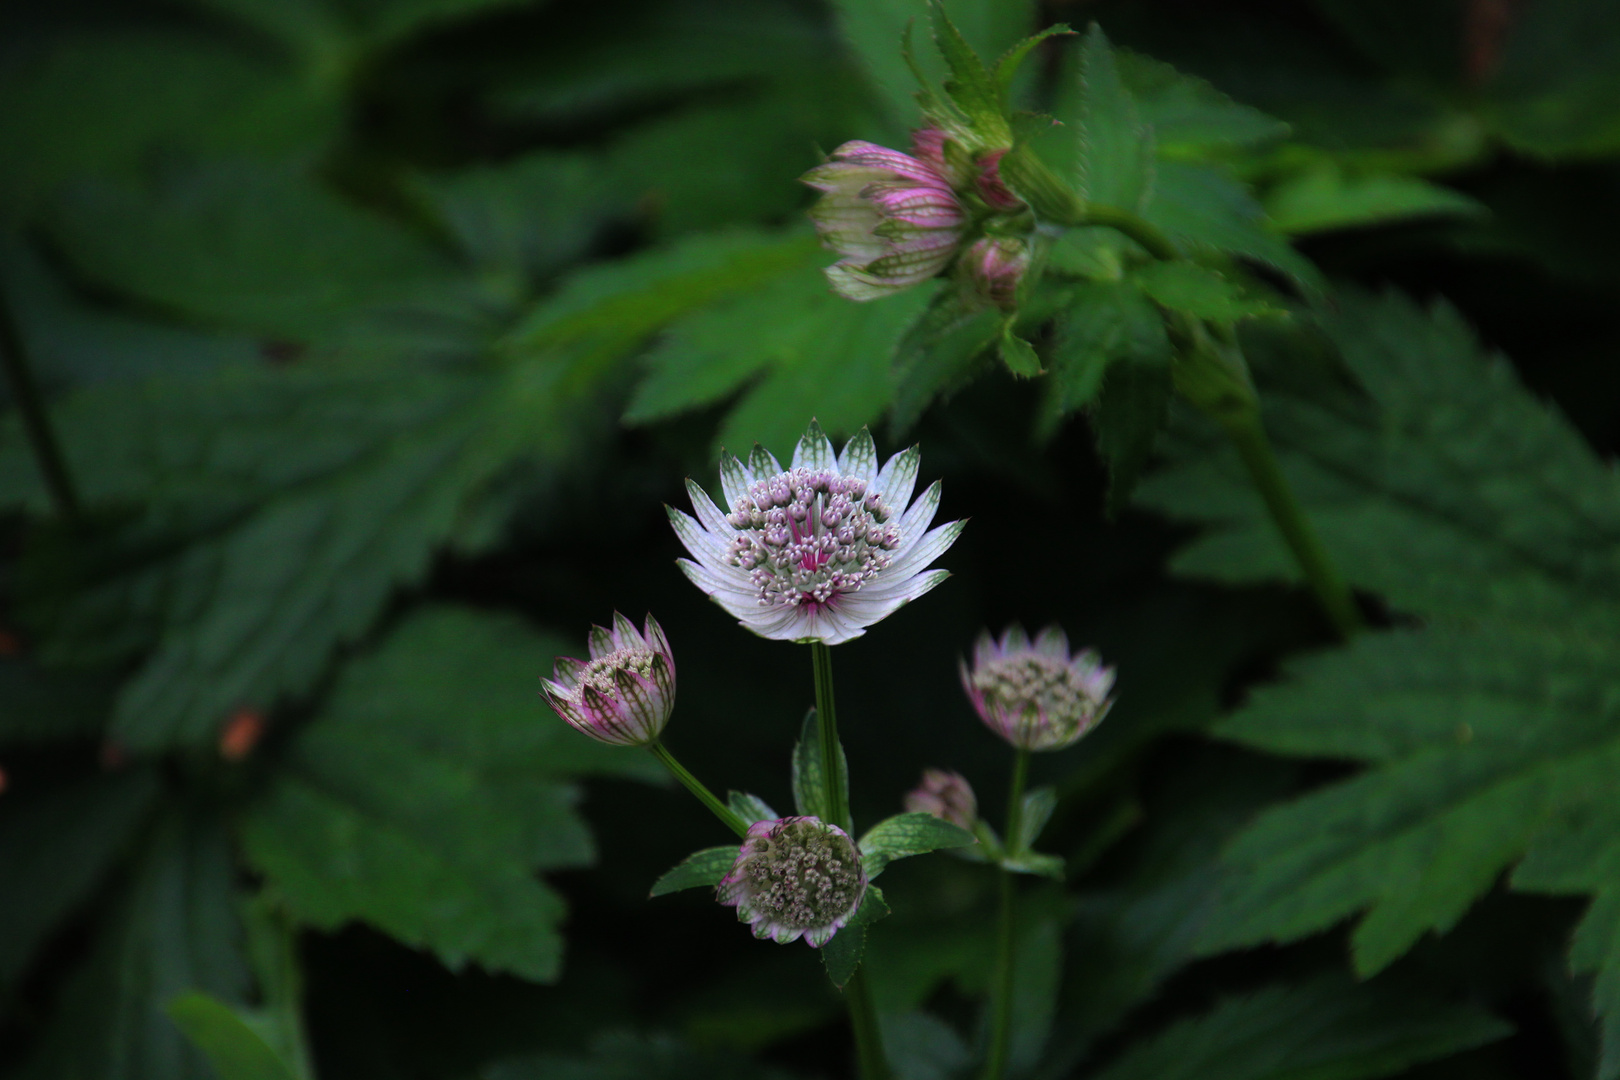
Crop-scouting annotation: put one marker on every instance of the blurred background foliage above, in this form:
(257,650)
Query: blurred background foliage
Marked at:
(375,333)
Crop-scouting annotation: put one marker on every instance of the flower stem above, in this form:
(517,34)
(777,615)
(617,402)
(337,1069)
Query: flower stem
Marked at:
(1154,242)
(862,1013)
(1001,990)
(725,813)
(36,422)
(1248,435)
(827,724)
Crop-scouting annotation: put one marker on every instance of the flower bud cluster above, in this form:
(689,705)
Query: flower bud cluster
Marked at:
(795,877)
(806,535)
(1036,695)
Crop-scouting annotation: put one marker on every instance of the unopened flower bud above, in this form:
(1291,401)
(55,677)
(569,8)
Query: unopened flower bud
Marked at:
(995,265)
(992,189)
(893,218)
(795,877)
(1035,695)
(946,795)
(625,692)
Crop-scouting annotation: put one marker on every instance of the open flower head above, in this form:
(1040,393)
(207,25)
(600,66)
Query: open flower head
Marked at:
(819,551)
(894,219)
(795,877)
(1035,694)
(946,795)
(625,692)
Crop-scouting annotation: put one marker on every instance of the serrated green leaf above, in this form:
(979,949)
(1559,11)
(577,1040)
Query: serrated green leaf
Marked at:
(232,1046)
(1132,410)
(56,850)
(970,84)
(1325,198)
(1327,1027)
(751,808)
(428,791)
(701,869)
(842,960)
(937,353)
(904,835)
(1204,210)
(1104,323)
(794,348)
(1554,93)
(809,781)
(1199,291)
(1007,67)
(173,929)
(257,248)
(1018,355)
(1190,117)
(1115,153)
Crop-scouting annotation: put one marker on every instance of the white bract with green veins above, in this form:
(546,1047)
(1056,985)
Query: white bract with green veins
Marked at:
(818,551)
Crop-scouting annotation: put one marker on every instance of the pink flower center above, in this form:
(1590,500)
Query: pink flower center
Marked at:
(805,536)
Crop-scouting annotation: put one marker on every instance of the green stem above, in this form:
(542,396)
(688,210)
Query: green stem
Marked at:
(1153,241)
(863,1019)
(827,724)
(1001,990)
(720,810)
(36,422)
(1248,434)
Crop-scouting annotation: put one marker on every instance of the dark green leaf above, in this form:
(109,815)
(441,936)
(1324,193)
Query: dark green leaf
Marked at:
(809,780)
(1199,291)
(1188,116)
(701,869)
(56,850)
(232,1046)
(427,792)
(937,354)
(1325,1028)
(1325,198)
(1104,323)
(1018,354)
(1115,156)
(1134,406)
(904,835)
(173,929)
(751,808)
(1035,813)
(267,250)
(1555,92)
(921,1046)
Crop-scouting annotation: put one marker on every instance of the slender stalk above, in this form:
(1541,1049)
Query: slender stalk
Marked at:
(827,722)
(1001,990)
(863,1019)
(1153,241)
(36,422)
(720,810)
(1249,436)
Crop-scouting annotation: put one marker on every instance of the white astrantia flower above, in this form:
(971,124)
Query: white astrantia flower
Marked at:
(819,551)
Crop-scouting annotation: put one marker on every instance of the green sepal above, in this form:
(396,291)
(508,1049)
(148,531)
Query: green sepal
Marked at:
(904,835)
(1018,354)
(228,1038)
(842,955)
(1033,862)
(1007,67)
(809,785)
(750,808)
(1036,812)
(932,105)
(698,870)
(970,84)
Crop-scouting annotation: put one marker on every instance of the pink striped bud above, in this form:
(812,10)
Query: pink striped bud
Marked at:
(625,692)
(946,795)
(995,265)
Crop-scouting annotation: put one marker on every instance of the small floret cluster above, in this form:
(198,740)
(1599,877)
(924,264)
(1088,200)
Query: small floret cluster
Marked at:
(795,877)
(1035,694)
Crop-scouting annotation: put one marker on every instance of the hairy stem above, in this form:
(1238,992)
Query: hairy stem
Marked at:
(1153,241)
(36,423)
(1248,434)
(1001,988)
(720,810)
(863,1019)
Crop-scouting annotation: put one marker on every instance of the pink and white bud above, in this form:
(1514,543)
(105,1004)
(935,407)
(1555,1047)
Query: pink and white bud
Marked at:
(995,265)
(946,795)
(1036,695)
(795,877)
(894,219)
(624,693)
